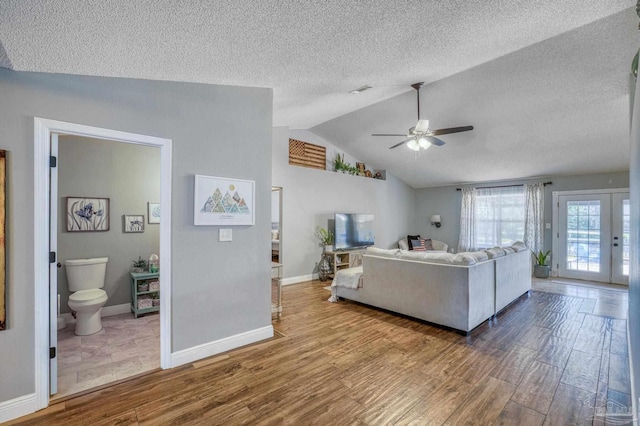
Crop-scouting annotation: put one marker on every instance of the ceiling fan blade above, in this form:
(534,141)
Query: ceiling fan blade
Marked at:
(451,130)
(434,141)
(388,134)
(422,126)
(400,143)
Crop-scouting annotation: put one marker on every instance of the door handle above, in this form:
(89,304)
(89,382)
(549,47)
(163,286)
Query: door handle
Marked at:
(615,244)
(59,265)
(615,238)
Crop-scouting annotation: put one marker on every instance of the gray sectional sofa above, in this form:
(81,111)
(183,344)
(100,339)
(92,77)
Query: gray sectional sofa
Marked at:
(458,291)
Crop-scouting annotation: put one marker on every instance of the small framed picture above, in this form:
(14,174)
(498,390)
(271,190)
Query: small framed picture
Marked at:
(133,223)
(153,212)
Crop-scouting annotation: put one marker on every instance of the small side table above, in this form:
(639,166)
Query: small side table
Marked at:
(276,307)
(143,278)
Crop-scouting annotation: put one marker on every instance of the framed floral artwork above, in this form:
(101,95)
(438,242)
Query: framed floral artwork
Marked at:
(153,212)
(87,214)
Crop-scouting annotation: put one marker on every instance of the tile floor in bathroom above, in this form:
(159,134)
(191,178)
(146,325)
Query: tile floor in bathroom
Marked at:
(124,347)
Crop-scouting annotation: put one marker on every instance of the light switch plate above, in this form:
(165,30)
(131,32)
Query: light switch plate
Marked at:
(224,235)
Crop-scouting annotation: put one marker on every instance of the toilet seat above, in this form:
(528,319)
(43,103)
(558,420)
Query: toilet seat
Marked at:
(87,297)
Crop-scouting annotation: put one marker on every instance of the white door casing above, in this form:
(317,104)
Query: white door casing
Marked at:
(53,269)
(43,131)
(620,232)
(589,250)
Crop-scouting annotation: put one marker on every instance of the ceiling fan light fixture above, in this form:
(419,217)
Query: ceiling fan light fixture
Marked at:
(424,143)
(413,145)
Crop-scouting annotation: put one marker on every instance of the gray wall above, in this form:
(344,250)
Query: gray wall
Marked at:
(311,197)
(446,201)
(219,289)
(129,175)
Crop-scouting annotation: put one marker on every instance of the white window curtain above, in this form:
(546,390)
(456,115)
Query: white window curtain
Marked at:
(499,216)
(467,240)
(534,216)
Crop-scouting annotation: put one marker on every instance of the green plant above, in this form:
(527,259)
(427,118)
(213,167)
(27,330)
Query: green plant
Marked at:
(324,236)
(338,163)
(541,257)
(140,263)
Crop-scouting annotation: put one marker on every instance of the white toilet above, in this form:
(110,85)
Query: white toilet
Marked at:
(86,279)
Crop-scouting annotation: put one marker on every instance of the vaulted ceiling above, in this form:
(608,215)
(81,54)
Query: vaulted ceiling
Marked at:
(544,83)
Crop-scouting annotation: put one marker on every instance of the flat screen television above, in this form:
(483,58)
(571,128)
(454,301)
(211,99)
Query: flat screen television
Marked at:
(353,230)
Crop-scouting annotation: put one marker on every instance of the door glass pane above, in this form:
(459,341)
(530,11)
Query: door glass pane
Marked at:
(583,236)
(626,232)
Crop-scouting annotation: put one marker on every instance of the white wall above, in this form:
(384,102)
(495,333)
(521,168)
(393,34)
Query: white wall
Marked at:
(129,175)
(446,201)
(311,197)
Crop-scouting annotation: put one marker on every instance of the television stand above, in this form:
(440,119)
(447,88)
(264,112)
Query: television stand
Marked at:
(343,259)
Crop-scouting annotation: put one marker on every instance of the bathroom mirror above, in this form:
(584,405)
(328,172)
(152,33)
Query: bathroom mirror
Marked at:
(276,224)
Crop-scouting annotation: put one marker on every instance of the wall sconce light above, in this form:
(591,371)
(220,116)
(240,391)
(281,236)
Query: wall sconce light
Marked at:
(436,221)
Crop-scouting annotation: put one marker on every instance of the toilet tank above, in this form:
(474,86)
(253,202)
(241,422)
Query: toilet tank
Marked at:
(85,274)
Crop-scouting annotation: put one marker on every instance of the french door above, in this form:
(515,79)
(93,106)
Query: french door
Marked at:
(593,236)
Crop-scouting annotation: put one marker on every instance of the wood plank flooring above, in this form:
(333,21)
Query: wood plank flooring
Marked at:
(550,358)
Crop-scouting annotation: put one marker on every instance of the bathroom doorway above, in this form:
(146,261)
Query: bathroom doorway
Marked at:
(123,182)
(45,242)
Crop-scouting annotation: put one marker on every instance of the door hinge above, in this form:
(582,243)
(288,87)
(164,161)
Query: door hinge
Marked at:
(52,257)
(53,161)
(558,235)
(52,353)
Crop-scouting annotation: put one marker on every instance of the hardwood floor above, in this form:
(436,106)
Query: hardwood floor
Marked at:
(550,358)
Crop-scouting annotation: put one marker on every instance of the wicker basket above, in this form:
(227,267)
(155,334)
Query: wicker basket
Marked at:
(154,286)
(144,302)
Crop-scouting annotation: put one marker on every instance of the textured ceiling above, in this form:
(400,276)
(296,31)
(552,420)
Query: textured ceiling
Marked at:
(545,78)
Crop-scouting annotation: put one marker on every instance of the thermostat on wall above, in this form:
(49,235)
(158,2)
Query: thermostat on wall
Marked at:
(224,235)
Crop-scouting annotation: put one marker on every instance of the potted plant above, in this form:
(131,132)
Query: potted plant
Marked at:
(339,165)
(540,268)
(138,265)
(325,237)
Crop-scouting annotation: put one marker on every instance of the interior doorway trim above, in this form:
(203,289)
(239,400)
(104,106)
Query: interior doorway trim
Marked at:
(43,128)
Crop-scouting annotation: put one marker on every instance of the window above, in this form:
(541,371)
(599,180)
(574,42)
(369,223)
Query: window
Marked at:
(499,216)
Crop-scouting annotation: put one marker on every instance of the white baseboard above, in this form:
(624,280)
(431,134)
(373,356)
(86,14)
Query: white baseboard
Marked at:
(18,407)
(634,406)
(299,279)
(205,350)
(106,311)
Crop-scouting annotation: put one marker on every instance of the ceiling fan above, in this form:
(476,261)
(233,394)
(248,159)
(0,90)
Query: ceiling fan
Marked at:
(420,136)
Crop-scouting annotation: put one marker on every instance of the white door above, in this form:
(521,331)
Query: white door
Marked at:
(621,230)
(53,269)
(594,237)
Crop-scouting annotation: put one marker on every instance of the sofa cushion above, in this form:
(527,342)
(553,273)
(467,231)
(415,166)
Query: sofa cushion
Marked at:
(411,238)
(519,246)
(402,244)
(508,250)
(465,259)
(477,256)
(494,252)
(375,251)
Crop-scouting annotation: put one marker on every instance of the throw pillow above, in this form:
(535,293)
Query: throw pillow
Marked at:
(411,238)
(419,245)
(428,244)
